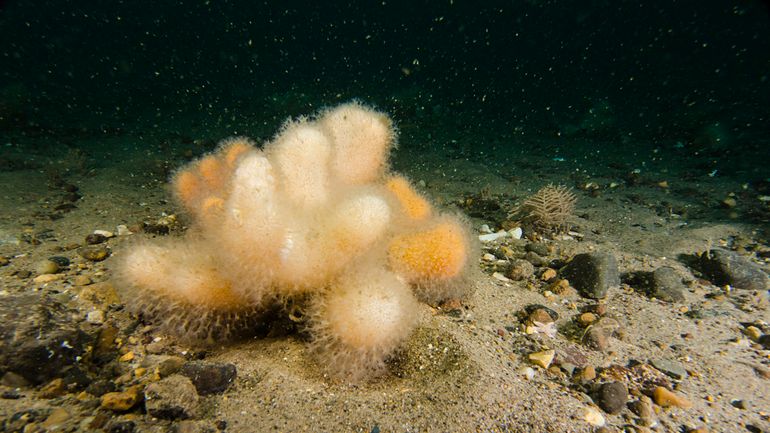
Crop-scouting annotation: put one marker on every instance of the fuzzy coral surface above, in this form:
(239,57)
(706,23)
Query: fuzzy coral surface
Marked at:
(314,218)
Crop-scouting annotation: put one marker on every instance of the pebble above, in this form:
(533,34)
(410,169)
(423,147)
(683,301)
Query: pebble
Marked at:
(739,404)
(14,380)
(127,357)
(500,277)
(764,340)
(587,374)
(122,401)
(542,358)
(171,398)
(166,365)
(612,397)
(95,317)
(540,313)
(46,278)
(761,371)
(587,319)
(597,338)
(593,274)
(209,378)
(753,333)
(520,270)
(124,231)
(538,248)
(63,262)
(94,253)
(47,267)
(100,293)
(4,260)
(593,417)
(491,237)
(489,257)
(10,394)
(95,239)
(535,259)
(528,373)
(516,233)
(57,417)
(82,280)
(671,368)
(54,388)
(643,409)
(548,274)
(665,398)
(667,285)
(106,233)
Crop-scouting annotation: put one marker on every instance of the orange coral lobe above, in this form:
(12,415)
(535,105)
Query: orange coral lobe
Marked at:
(187,186)
(413,204)
(234,149)
(211,171)
(212,204)
(438,253)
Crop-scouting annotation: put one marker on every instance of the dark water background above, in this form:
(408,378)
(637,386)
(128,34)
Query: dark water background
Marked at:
(691,75)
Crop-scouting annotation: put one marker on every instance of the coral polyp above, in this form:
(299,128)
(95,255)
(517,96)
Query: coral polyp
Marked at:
(316,217)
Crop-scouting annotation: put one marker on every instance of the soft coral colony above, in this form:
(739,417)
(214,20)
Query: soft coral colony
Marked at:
(316,215)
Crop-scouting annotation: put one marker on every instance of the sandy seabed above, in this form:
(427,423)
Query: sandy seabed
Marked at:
(462,370)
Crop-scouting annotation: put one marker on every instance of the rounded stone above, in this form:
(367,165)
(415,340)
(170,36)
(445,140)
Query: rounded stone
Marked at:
(94,253)
(612,397)
(95,238)
(520,270)
(47,267)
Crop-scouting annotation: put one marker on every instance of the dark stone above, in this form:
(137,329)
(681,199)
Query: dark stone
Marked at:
(100,387)
(727,267)
(599,334)
(538,248)
(19,420)
(667,285)
(37,337)
(670,368)
(70,187)
(94,253)
(72,196)
(209,378)
(765,341)
(663,284)
(535,259)
(520,270)
(121,427)
(64,207)
(597,338)
(95,238)
(156,229)
(572,354)
(10,395)
(531,308)
(63,262)
(75,378)
(592,274)
(612,397)
(171,398)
